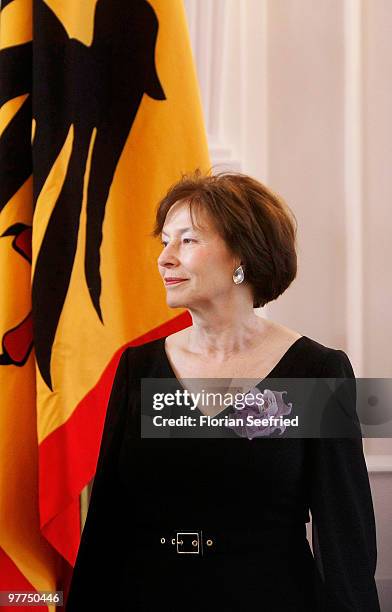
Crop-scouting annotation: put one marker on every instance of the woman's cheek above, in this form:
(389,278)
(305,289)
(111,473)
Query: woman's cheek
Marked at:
(196,257)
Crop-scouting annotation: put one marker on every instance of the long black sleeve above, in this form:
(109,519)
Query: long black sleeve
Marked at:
(100,557)
(343,523)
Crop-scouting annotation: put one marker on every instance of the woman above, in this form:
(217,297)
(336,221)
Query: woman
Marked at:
(219,524)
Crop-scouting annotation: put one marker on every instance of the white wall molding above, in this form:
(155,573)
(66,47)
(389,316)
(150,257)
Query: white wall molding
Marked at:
(229,42)
(254,88)
(353,178)
(208,32)
(378,463)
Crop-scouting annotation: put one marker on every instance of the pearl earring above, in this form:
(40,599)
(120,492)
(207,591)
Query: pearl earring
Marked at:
(238,275)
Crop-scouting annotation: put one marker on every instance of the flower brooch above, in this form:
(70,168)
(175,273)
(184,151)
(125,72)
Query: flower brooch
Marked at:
(262,413)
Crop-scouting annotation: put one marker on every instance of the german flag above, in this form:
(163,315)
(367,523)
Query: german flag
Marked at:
(99,114)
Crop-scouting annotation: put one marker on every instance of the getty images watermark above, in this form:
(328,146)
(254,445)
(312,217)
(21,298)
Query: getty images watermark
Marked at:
(255,413)
(273,407)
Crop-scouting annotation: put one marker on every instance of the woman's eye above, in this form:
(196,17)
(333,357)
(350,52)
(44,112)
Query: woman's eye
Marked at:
(164,242)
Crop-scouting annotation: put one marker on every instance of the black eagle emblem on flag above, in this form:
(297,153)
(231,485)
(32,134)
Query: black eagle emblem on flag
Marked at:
(90,87)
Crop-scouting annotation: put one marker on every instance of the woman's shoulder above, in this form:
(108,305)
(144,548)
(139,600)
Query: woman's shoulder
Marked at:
(326,360)
(144,357)
(307,356)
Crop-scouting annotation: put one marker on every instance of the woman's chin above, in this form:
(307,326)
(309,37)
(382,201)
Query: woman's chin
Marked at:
(175,303)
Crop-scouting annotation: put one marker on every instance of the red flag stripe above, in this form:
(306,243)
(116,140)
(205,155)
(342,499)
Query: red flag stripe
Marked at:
(11,579)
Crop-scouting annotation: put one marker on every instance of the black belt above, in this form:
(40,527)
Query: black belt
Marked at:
(196,543)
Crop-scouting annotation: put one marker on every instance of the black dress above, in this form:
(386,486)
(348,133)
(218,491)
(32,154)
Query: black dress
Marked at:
(250,499)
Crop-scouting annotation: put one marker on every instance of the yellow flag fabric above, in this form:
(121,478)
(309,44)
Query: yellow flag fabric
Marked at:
(27,561)
(99,114)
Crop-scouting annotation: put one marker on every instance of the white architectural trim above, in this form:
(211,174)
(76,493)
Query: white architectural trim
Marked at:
(379,463)
(254,88)
(210,24)
(353,181)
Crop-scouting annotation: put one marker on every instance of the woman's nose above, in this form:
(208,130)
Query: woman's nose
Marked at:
(168,256)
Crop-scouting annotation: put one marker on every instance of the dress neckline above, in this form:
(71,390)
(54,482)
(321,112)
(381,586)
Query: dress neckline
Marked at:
(288,353)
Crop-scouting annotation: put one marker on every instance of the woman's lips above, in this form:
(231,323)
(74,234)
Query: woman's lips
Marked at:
(175,282)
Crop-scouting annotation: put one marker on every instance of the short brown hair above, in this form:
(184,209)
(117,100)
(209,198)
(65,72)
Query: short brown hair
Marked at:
(256,224)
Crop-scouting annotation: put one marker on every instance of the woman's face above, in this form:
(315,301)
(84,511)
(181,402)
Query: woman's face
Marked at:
(197,256)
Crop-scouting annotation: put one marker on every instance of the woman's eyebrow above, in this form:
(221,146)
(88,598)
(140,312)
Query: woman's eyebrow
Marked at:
(182,230)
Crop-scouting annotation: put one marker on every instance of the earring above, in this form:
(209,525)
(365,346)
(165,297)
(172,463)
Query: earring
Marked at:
(238,275)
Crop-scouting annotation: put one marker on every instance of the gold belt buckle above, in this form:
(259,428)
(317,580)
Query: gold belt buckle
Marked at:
(192,538)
